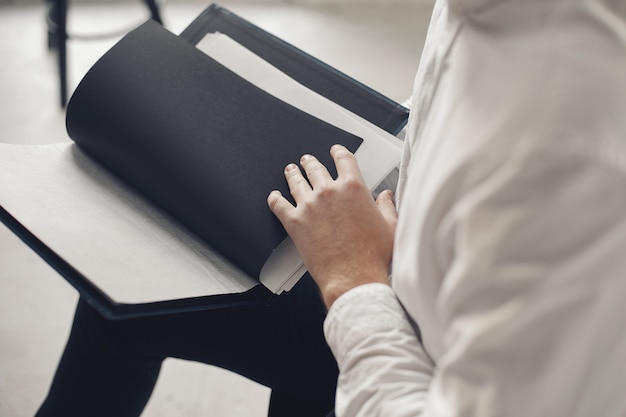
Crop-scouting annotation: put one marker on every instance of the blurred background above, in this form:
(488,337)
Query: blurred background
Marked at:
(378,42)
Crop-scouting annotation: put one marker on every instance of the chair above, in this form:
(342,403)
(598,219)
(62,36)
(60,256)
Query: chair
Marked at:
(57,36)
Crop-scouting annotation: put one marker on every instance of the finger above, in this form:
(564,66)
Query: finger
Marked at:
(345,161)
(316,172)
(387,207)
(298,185)
(279,205)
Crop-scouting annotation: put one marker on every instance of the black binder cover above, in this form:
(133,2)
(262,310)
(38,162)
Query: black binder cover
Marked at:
(307,70)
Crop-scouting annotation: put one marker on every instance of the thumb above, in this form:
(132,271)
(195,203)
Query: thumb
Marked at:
(387,207)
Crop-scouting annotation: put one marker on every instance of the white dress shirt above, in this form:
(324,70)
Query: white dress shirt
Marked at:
(509,270)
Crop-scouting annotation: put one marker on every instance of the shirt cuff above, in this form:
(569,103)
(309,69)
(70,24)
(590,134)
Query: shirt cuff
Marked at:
(359,313)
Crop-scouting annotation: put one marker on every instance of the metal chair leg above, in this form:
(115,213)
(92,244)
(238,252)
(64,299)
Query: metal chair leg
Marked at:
(61,36)
(57,41)
(154,11)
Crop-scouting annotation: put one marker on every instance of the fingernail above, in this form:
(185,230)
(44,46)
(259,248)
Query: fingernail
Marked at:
(305,158)
(337,147)
(290,167)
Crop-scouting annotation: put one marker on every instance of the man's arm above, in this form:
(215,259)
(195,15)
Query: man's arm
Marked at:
(530,309)
(346,241)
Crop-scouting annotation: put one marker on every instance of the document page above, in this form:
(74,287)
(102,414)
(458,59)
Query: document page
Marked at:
(128,249)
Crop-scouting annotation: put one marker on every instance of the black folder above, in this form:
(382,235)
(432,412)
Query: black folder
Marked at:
(153,114)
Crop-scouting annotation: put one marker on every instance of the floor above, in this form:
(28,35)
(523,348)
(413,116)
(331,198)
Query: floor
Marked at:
(378,46)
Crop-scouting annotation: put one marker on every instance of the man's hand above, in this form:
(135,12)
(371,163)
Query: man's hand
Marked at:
(344,237)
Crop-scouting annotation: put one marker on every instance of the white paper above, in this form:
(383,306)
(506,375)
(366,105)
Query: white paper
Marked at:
(120,242)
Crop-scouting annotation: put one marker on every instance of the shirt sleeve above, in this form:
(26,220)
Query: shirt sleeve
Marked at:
(530,307)
(383,368)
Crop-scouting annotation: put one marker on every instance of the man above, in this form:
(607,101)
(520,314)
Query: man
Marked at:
(509,254)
